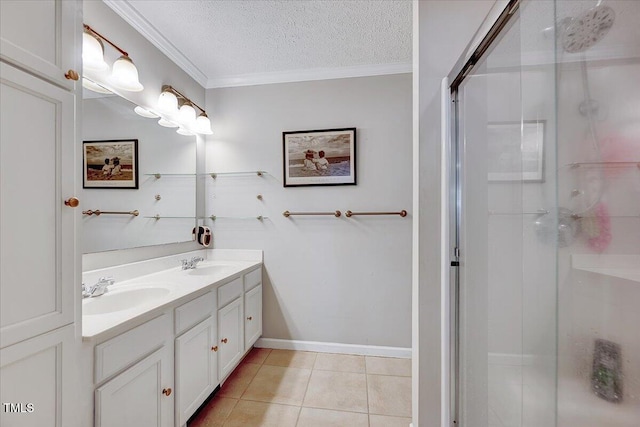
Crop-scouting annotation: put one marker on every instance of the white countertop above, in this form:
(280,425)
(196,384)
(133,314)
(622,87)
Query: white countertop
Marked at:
(176,284)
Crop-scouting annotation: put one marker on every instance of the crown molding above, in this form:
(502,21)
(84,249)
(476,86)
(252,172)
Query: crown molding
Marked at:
(148,31)
(291,76)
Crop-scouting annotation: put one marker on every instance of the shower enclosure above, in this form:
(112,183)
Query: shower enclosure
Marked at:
(545,150)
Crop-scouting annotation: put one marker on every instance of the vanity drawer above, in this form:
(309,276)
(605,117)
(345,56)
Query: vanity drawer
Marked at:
(229,292)
(195,311)
(252,279)
(124,350)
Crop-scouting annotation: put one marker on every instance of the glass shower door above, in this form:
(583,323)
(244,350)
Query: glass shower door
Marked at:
(506,186)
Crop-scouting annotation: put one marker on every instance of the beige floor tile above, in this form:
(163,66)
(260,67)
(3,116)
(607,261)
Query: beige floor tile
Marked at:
(389,395)
(215,413)
(259,414)
(344,391)
(312,417)
(388,366)
(239,380)
(340,363)
(385,421)
(291,359)
(276,384)
(257,355)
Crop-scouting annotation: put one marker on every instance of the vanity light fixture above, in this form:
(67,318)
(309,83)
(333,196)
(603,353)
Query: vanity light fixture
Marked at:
(168,103)
(166,123)
(124,74)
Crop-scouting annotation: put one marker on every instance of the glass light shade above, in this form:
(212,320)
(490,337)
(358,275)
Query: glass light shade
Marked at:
(145,113)
(166,123)
(187,114)
(125,75)
(93,53)
(185,132)
(203,125)
(168,102)
(93,86)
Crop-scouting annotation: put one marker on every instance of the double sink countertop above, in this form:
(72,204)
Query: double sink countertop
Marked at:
(150,286)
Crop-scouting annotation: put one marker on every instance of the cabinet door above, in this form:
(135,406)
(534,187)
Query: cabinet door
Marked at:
(35,381)
(253,316)
(231,337)
(40,36)
(141,396)
(196,368)
(37,172)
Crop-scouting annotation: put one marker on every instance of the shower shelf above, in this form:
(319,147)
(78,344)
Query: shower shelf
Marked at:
(620,266)
(603,165)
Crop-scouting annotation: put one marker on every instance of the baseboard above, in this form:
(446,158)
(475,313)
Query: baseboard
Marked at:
(329,347)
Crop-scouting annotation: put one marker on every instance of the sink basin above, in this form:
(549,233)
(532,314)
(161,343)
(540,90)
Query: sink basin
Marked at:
(114,301)
(208,270)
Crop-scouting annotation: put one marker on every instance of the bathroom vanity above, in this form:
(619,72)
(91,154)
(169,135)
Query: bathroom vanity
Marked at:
(162,338)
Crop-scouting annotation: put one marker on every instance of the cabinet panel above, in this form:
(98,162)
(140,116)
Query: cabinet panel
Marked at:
(194,311)
(31,379)
(230,337)
(36,175)
(135,397)
(39,36)
(196,368)
(253,316)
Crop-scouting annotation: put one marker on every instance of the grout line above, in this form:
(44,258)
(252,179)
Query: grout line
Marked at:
(366,386)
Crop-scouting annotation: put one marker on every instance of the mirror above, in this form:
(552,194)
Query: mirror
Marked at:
(166,178)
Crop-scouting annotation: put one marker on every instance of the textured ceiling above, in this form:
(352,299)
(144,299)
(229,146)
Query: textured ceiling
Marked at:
(228,38)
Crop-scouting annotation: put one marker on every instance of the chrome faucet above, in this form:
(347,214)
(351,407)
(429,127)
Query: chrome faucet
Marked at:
(98,289)
(190,264)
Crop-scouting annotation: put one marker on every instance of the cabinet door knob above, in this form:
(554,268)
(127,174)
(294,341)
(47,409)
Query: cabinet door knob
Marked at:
(224,340)
(250,318)
(71,75)
(72,202)
(166,391)
(214,348)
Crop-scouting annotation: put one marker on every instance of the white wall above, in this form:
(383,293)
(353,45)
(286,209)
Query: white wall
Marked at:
(442,29)
(326,279)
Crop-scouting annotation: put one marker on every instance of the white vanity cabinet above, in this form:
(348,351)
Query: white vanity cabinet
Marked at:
(141,392)
(252,307)
(196,360)
(41,37)
(231,333)
(39,272)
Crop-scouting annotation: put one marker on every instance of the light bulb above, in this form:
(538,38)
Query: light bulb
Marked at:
(185,132)
(145,113)
(125,75)
(168,102)
(93,53)
(166,123)
(203,125)
(187,114)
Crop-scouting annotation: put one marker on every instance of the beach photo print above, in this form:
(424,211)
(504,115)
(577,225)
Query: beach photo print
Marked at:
(319,157)
(110,164)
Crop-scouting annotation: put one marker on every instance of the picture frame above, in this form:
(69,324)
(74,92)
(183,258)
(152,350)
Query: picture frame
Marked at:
(319,157)
(111,164)
(515,151)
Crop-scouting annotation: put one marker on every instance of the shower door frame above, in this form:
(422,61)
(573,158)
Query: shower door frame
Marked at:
(464,66)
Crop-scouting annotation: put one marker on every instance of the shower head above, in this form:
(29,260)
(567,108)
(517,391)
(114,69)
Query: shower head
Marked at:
(589,28)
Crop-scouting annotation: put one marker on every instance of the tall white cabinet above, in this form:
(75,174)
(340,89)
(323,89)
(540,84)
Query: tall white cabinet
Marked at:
(39,269)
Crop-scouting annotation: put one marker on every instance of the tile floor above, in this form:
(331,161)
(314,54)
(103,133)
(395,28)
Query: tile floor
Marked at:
(283,388)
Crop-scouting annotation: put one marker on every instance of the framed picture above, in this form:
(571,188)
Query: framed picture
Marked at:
(515,151)
(110,164)
(319,157)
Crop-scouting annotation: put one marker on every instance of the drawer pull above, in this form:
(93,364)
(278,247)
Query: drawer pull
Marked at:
(71,75)
(250,318)
(224,340)
(166,391)
(214,348)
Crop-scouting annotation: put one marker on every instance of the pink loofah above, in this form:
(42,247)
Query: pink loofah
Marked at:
(599,227)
